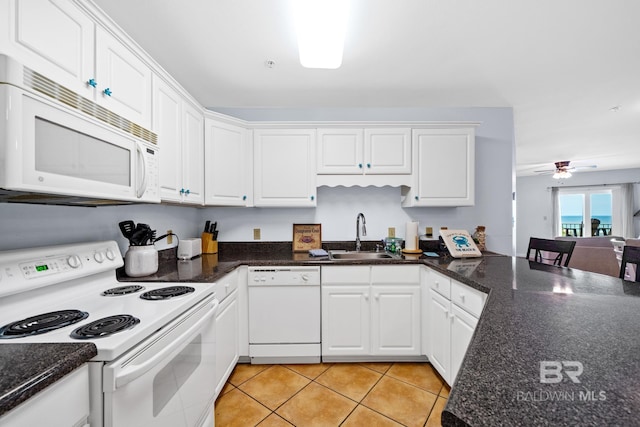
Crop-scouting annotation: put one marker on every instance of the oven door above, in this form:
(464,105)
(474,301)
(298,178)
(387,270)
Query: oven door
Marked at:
(49,148)
(169,379)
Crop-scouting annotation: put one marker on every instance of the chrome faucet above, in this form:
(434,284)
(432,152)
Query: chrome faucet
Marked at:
(364,230)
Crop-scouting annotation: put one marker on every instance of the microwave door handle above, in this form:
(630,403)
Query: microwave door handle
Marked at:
(131,372)
(143,187)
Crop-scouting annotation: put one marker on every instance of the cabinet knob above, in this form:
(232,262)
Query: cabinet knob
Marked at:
(92,82)
(376,296)
(366,297)
(182,191)
(360,165)
(187,192)
(369,165)
(244,197)
(313,197)
(417,198)
(107,92)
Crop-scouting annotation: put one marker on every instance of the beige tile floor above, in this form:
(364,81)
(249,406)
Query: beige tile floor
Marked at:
(328,395)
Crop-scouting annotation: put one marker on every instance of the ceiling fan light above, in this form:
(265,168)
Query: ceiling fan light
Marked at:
(321,26)
(560,174)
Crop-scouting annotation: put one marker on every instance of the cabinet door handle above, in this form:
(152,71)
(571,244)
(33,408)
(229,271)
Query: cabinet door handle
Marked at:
(107,92)
(462,297)
(92,82)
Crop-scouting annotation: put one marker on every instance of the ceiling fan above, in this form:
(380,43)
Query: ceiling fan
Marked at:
(563,170)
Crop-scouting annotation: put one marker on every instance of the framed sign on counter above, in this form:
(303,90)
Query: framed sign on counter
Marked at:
(307,236)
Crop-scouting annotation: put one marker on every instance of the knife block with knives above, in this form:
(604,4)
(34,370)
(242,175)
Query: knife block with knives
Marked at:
(210,238)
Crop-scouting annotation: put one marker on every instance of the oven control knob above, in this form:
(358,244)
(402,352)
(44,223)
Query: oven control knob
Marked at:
(110,255)
(74,261)
(99,257)
(256,279)
(305,278)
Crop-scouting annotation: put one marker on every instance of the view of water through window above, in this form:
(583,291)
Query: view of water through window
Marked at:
(586,214)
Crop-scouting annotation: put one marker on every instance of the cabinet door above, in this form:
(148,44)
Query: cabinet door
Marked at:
(227,165)
(345,320)
(444,161)
(395,324)
(226,340)
(54,38)
(192,154)
(285,168)
(440,334)
(124,80)
(340,151)
(167,124)
(463,325)
(387,151)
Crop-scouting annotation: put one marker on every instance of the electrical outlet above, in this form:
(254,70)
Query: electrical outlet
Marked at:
(169,237)
(256,234)
(392,232)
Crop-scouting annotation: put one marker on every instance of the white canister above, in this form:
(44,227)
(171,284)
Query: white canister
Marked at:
(141,261)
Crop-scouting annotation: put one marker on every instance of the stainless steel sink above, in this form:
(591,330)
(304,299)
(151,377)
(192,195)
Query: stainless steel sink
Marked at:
(347,255)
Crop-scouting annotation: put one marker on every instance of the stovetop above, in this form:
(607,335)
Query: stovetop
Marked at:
(24,294)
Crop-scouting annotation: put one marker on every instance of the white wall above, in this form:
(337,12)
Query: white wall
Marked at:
(33,225)
(535,204)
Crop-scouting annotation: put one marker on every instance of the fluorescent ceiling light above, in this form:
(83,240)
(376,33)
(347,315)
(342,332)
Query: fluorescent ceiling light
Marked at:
(321,26)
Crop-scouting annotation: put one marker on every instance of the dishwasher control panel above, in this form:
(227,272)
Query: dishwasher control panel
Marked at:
(284,276)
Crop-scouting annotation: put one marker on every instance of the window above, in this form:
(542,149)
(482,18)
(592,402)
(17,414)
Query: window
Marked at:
(586,212)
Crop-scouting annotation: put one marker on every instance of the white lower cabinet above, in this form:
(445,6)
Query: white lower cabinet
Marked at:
(370,311)
(440,334)
(453,312)
(463,325)
(62,404)
(227,326)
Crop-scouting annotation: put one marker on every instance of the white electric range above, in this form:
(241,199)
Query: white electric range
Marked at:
(156,341)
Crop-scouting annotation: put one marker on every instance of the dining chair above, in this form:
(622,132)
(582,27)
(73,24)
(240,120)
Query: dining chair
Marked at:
(562,248)
(631,255)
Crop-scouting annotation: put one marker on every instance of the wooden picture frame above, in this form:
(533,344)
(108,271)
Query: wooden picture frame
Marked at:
(306,236)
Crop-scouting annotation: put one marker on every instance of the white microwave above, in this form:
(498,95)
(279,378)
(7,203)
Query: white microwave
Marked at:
(50,145)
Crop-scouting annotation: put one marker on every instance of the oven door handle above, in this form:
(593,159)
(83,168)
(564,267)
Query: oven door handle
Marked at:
(133,371)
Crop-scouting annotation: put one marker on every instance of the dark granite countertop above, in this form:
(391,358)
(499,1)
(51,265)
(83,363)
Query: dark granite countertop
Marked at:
(533,313)
(30,368)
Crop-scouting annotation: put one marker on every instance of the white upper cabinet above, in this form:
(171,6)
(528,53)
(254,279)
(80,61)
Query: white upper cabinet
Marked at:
(52,37)
(284,167)
(124,80)
(444,168)
(193,153)
(228,165)
(357,156)
(60,41)
(340,151)
(180,128)
(387,151)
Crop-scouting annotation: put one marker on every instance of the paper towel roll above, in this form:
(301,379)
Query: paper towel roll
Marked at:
(411,236)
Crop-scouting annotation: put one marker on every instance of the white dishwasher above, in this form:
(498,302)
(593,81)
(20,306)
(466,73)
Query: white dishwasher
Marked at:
(284,314)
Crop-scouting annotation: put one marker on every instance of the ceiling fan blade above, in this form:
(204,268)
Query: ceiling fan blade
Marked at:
(584,167)
(545,171)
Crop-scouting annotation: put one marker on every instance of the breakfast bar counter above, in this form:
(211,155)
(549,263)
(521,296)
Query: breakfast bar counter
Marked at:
(553,346)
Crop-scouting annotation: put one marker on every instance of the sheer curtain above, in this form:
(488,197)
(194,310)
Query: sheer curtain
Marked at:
(555,214)
(626,206)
